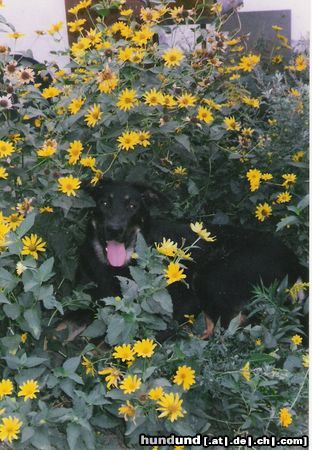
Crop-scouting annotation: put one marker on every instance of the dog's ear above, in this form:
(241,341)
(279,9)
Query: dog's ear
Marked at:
(151,195)
(97,190)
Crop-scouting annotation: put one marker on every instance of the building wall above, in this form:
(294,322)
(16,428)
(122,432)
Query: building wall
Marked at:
(30,15)
(27,16)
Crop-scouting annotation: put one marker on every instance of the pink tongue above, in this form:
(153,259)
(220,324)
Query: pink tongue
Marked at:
(116,253)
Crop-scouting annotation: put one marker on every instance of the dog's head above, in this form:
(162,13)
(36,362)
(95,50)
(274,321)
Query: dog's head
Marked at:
(122,210)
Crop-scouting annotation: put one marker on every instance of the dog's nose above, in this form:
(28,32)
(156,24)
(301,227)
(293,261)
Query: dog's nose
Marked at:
(114,231)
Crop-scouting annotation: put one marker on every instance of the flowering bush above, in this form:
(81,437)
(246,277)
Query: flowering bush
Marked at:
(223,133)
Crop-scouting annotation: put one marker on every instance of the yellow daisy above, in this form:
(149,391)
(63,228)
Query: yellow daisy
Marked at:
(130,384)
(231,124)
(69,185)
(144,348)
(6,388)
(113,376)
(185,100)
(184,376)
(245,371)
(50,92)
(153,98)
(93,115)
(28,390)
(127,99)
(124,352)
(6,149)
(284,197)
(197,227)
(32,245)
(170,407)
(204,114)
(75,105)
(128,140)
(172,57)
(74,151)
(10,428)
(263,211)
(285,417)
(126,410)
(174,273)
(88,365)
(156,393)
(296,339)
(167,247)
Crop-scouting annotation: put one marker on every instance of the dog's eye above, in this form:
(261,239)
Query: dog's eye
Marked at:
(132,205)
(105,204)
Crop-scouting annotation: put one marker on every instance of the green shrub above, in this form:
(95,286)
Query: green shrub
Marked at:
(224,134)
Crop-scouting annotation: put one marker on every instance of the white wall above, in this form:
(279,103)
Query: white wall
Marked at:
(300,14)
(30,15)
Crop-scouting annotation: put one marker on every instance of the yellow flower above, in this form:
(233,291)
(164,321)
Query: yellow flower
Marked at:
(297,157)
(126,12)
(272,122)
(142,36)
(20,268)
(289,178)
(75,105)
(263,211)
(248,63)
(258,342)
(296,289)
(277,59)
(285,417)
(76,25)
(32,245)
(89,367)
(130,383)
(245,371)
(15,35)
(149,15)
(10,428)
(24,338)
(294,92)
(78,48)
(186,100)
(156,393)
(113,375)
(126,410)
(128,140)
(197,227)
(144,137)
(266,176)
(176,13)
(204,114)
(153,98)
(28,390)
(74,152)
(47,151)
(172,57)
(46,209)
(127,99)
(296,339)
(55,28)
(170,406)
(276,28)
(168,101)
(231,123)
(6,388)
(3,173)
(254,178)
(184,376)
(88,161)
(144,348)
(93,115)
(124,352)
(305,360)
(300,63)
(14,220)
(50,92)
(190,318)
(69,185)
(174,273)
(179,170)
(167,247)
(283,197)
(6,149)
(254,102)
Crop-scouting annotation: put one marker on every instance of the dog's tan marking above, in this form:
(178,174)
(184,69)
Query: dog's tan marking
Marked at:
(127,197)
(209,327)
(242,319)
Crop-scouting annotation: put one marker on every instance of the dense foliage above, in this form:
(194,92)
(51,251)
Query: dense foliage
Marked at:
(223,132)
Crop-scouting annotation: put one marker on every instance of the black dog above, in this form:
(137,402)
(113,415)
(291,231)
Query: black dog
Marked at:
(223,272)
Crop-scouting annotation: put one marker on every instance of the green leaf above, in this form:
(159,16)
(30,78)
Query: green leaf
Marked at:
(12,311)
(32,317)
(184,140)
(26,225)
(71,364)
(27,433)
(73,433)
(45,270)
(289,220)
(96,329)
(7,280)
